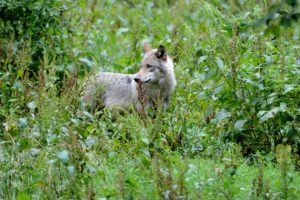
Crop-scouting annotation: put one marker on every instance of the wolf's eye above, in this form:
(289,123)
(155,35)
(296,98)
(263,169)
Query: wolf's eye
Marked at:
(148,66)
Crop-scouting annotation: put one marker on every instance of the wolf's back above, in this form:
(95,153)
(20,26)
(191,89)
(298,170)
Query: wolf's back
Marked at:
(109,90)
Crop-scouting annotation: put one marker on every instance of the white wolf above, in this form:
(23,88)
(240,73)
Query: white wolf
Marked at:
(156,77)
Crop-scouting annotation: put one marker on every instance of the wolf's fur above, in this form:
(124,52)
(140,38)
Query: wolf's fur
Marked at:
(121,90)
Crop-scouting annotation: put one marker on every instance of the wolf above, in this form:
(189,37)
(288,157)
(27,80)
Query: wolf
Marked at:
(148,88)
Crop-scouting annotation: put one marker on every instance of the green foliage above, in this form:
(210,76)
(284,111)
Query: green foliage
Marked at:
(280,14)
(232,128)
(36,24)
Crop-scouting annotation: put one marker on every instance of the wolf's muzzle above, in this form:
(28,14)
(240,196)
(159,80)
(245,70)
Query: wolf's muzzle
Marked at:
(138,79)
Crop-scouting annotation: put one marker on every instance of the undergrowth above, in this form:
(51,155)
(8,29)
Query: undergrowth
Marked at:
(231,130)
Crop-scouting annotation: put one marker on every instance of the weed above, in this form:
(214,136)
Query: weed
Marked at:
(237,68)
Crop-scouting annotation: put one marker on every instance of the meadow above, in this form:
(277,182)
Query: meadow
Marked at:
(231,131)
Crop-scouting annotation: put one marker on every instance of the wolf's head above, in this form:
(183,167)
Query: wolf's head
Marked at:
(156,64)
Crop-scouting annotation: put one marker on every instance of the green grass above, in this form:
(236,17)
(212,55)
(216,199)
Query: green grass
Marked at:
(141,177)
(231,130)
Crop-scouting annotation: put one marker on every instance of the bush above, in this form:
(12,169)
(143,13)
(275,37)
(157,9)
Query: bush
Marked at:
(36,25)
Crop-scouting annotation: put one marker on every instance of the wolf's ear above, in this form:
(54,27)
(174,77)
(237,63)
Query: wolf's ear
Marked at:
(161,52)
(147,47)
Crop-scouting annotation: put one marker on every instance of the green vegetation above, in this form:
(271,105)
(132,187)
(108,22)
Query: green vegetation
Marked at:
(232,130)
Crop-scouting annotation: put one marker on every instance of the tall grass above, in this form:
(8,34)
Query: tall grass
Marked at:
(236,102)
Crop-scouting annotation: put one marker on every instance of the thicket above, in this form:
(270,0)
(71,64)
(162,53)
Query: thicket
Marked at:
(247,82)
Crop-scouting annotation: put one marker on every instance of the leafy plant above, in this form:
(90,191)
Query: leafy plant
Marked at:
(232,127)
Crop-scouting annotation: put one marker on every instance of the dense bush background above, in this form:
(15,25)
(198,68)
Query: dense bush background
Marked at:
(232,130)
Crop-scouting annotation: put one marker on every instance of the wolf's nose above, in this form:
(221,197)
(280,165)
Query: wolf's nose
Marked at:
(137,79)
